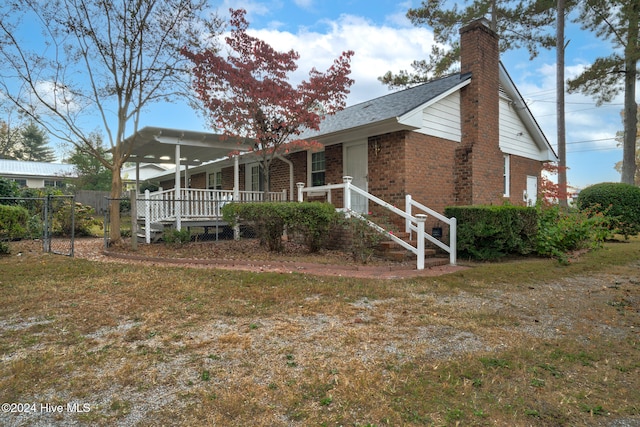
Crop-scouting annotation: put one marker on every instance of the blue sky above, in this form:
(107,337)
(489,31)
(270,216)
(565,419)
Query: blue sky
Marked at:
(383,39)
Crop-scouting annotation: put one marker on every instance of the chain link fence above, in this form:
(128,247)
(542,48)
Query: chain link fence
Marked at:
(50,219)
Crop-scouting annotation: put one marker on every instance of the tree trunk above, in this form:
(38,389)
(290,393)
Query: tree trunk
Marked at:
(630,106)
(562,148)
(114,206)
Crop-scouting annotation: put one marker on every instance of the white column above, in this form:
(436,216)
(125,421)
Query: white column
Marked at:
(236,192)
(236,178)
(420,219)
(453,236)
(300,186)
(178,210)
(407,210)
(347,194)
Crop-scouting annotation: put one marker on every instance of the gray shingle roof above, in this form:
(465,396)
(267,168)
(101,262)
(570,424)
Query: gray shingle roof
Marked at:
(22,168)
(386,107)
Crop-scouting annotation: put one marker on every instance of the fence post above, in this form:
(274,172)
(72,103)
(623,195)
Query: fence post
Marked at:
(420,220)
(134,219)
(48,224)
(147,217)
(347,194)
(453,236)
(407,209)
(300,186)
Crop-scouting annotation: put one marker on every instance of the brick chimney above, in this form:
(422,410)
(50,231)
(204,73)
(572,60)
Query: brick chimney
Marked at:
(479,161)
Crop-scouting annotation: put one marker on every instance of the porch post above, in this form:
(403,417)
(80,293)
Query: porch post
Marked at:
(236,179)
(177,201)
(347,194)
(236,192)
(300,186)
(420,219)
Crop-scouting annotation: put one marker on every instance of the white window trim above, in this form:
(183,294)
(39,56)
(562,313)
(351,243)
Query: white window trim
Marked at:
(309,167)
(213,173)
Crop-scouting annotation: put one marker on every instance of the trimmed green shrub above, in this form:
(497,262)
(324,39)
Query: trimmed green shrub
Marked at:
(311,220)
(619,202)
(560,231)
(492,232)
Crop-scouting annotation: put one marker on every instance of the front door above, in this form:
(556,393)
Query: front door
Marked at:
(532,190)
(355,161)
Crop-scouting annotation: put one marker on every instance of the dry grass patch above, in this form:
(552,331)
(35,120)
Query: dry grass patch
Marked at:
(515,343)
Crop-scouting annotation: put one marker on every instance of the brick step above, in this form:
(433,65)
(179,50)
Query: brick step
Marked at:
(403,254)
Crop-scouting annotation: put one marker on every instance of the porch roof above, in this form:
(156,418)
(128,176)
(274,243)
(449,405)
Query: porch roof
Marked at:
(157,145)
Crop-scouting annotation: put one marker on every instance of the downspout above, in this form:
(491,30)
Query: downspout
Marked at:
(290,163)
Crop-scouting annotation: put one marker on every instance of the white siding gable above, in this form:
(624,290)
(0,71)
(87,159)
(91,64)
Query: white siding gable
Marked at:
(440,118)
(514,137)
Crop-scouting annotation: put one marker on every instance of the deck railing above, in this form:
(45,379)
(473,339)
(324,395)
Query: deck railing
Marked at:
(194,203)
(414,223)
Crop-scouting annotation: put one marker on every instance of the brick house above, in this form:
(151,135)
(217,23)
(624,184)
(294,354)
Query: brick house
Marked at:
(467,138)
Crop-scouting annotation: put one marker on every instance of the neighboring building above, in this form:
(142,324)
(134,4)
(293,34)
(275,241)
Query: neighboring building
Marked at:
(465,139)
(36,174)
(145,172)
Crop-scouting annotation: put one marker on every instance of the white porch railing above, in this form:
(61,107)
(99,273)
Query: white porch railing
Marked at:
(193,203)
(415,223)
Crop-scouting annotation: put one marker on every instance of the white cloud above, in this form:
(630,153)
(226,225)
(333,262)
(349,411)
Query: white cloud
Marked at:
(304,4)
(377,50)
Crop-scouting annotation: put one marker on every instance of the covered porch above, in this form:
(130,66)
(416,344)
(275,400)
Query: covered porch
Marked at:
(182,206)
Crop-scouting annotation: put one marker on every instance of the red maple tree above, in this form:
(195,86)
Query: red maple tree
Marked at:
(248,94)
(550,190)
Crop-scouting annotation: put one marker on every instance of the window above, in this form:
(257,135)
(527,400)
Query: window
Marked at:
(506,173)
(52,183)
(317,169)
(21,182)
(215,180)
(257,181)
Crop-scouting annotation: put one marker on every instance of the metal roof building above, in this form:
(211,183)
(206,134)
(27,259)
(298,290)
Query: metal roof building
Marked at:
(36,174)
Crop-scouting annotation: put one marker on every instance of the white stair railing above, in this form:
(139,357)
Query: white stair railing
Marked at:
(415,223)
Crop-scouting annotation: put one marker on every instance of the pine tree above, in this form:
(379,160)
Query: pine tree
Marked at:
(35,145)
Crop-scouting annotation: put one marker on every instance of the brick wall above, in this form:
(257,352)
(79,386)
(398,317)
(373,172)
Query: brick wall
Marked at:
(520,169)
(198,180)
(387,167)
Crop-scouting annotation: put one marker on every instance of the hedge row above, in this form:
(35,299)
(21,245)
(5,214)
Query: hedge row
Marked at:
(310,220)
(490,232)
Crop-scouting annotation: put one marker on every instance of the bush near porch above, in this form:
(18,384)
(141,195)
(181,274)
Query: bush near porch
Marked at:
(309,220)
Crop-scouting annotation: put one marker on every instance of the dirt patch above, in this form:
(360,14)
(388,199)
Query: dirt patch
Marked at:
(248,255)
